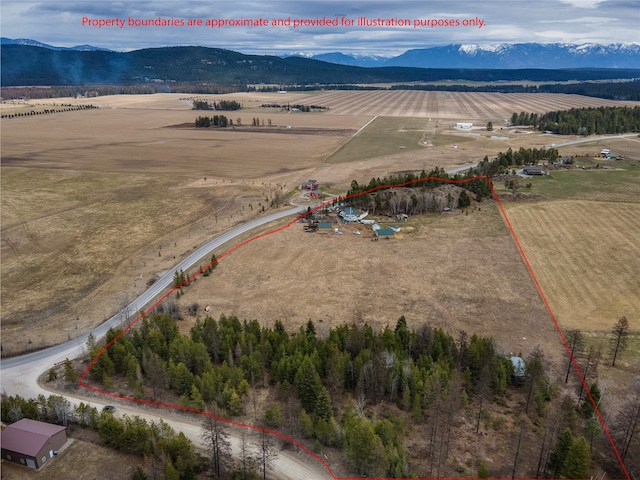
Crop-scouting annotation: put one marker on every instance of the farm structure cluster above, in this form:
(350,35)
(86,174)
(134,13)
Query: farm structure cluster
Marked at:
(321,221)
(311,189)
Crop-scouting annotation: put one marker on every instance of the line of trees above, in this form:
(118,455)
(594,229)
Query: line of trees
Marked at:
(162,450)
(219,365)
(62,108)
(215,121)
(504,161)
(227,105)
(419,200)
(583,121)
(298,106)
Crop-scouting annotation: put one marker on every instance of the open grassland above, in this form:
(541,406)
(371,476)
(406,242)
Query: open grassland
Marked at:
(609,183)
(581,238)
(456,271)
(72,254)
(452,106)
(121,140)
(386,136)
(586,257)
(93,199)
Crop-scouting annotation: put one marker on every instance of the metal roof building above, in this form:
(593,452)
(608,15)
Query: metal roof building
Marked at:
(519,367)
(385,232)
(31,443)
(533,170)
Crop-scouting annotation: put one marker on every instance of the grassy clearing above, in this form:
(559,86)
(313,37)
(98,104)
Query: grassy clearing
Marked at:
(601,341)
(612,185)
(586,256)
(384,136)
(440,139)
(83,239)
(456,271)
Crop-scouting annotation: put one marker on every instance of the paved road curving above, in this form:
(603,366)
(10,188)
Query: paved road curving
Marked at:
(20,374)
(75,348)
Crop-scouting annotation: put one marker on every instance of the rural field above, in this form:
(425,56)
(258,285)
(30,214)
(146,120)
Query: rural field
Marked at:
(586,256)
(98,203)
(434,272)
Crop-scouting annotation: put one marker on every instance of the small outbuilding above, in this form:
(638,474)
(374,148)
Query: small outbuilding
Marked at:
(384,232)
(31,443)
(519,368)
(533,170)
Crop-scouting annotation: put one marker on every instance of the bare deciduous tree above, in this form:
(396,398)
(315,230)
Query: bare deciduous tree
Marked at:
(627,425)
(215,437)
(575,341)
(620,333)
(268,453)
(247,459)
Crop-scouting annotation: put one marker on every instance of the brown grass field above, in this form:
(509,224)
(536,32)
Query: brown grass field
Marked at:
(434,271)
(93,199)
(586,256)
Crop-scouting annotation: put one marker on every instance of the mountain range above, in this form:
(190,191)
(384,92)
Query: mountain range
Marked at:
(492,56)
(501,56)
(35,43)
(27,62)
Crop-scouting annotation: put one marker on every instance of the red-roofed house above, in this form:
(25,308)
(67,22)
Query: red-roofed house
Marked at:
(31,443)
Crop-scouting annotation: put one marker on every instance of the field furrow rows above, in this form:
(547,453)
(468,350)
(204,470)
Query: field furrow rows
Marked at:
(432,108)
(586,257)
(488,104)
(594,256)
(337,101)
(358,105)
(527,104)
(407,104)
(423,109)
(470,105)
(557,269)
(474,103)
(388,105)
(417,106)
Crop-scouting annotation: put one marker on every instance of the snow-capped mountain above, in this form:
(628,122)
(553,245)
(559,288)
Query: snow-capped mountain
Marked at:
(472,55)
(522,55)
(354,60)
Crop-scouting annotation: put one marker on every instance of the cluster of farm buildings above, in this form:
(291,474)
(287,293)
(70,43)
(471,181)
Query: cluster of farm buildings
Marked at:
(345,215)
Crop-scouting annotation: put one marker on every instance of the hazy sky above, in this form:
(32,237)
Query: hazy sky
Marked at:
(504,21)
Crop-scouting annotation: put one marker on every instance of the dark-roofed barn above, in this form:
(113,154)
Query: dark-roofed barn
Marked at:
(533,170)
(31,443)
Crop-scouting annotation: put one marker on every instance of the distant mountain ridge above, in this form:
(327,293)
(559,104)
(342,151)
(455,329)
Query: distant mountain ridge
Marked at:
(35,64)
(502,56)
(522,55)
(35,43)
(471,55)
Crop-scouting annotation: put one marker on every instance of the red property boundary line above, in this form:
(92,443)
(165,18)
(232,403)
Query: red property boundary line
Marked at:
(289,224)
